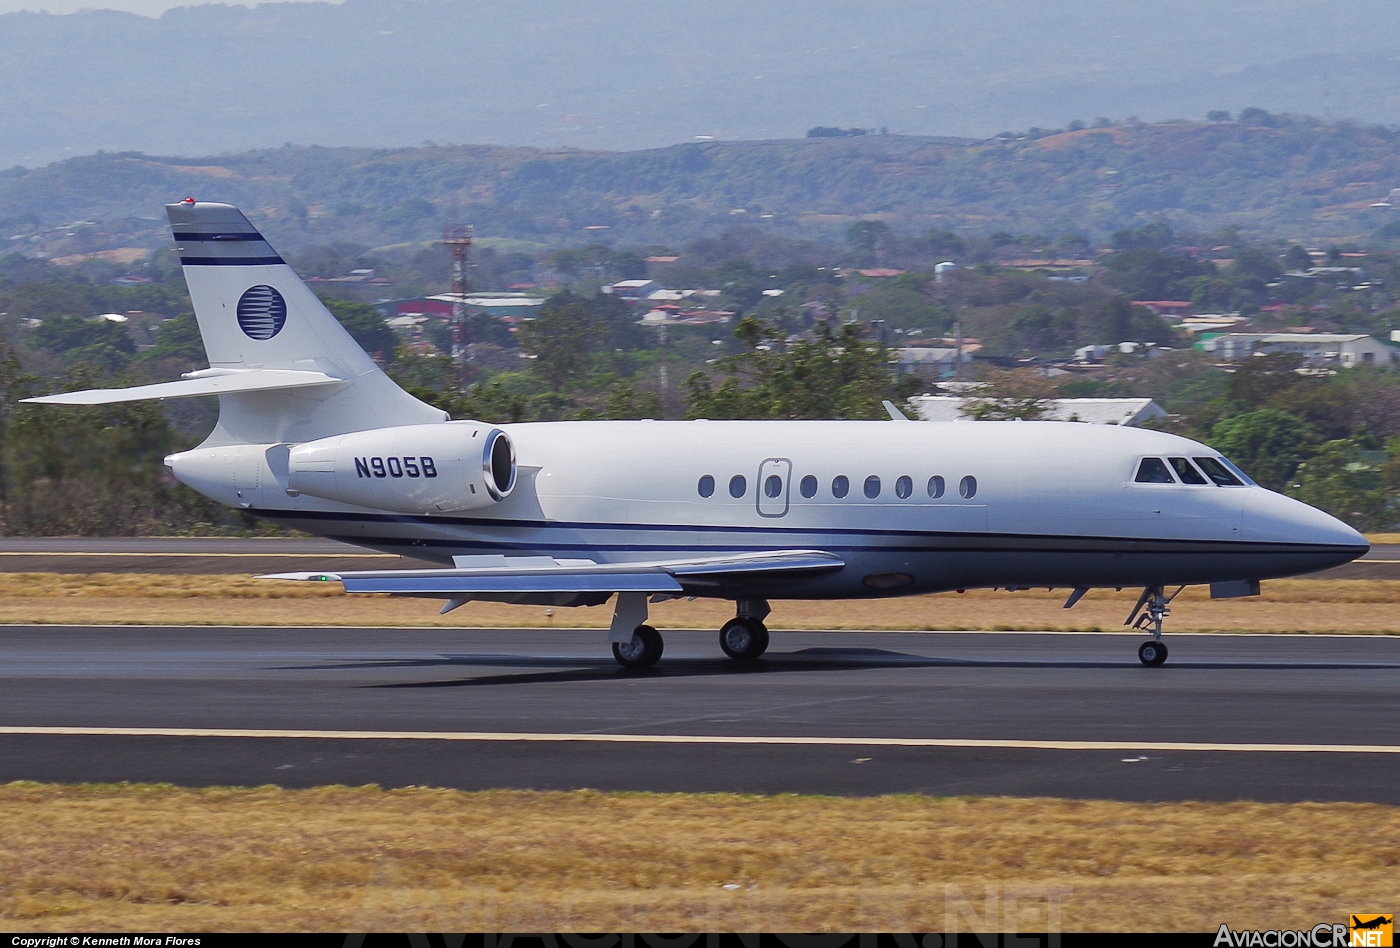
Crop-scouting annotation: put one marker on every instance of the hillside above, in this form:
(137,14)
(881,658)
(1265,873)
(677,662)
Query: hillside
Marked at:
(1272,176)
(629,74)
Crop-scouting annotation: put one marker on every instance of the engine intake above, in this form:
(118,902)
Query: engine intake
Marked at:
(460,465)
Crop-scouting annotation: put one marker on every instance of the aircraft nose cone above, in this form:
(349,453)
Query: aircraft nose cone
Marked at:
(1321,538)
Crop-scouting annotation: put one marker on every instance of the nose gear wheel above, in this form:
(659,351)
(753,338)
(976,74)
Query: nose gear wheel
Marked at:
(1148,614)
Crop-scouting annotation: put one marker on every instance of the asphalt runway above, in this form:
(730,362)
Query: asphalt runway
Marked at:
(1272,718)
(221,555)
(270,555)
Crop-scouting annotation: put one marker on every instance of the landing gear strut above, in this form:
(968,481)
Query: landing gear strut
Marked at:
(1148,614)
(745,637)
(634,643)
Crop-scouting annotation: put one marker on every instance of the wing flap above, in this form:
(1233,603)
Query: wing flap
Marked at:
(532,576)
(222,383)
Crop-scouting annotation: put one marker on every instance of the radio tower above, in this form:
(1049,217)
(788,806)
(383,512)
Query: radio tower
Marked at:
(460,240)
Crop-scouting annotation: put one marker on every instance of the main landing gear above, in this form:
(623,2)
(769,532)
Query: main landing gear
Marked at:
(637,645)
(642,650)
(1148,614)
(745,637)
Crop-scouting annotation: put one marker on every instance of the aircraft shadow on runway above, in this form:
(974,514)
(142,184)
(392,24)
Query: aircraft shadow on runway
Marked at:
(571,669)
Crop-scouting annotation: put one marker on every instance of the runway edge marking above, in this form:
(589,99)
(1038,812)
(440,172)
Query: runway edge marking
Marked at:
(566,738)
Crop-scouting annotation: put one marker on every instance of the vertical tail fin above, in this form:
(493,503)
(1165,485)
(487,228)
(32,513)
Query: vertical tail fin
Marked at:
(254,312)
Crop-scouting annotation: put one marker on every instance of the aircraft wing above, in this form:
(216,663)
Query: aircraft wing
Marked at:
(542,574)
(207,382)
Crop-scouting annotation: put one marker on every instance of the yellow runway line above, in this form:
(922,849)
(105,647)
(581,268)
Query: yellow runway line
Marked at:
(576,738)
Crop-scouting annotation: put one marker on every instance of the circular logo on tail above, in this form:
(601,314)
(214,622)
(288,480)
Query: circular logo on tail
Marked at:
(262,312)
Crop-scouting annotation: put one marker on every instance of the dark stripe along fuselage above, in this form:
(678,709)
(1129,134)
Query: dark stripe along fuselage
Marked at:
(936,561)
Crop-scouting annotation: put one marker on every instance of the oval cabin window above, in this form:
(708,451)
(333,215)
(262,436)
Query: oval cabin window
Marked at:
(968,487)
(773,486)
(840,486)
(904,487)
(872,487)
(808,486)
(935,487)
(738,486)
(706,487)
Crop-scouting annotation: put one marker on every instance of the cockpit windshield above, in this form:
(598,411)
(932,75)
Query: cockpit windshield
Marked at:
(1185,471)
(1154,471)
(1217,471)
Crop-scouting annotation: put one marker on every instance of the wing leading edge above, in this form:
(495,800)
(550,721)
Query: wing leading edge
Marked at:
(204,382)
(538,575)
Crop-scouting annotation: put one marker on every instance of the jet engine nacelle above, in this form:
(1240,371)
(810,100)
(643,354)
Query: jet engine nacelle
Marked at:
(460,465)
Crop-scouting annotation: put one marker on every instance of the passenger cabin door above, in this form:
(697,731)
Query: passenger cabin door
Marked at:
(773,477)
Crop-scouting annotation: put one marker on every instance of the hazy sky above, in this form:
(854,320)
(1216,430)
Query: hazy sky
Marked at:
(143,7)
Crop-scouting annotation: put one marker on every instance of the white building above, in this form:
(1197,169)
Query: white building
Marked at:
(633,289)
(1095,411)
(929,362)
(1317,348)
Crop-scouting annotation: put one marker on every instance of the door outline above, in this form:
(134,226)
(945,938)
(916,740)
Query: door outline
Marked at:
(773,506)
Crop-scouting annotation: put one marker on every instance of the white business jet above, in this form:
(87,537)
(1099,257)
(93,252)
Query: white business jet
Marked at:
(312,435)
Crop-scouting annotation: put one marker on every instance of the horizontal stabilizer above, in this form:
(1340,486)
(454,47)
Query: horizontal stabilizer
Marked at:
(533,575)
(208,382)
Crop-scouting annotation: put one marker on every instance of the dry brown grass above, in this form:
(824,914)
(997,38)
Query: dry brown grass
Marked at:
(1297,605)
(157,857)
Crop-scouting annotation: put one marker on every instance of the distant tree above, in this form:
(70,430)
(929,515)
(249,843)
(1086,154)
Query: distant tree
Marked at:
(1155,275)
(571,261)
(1077,125)
(1334,480)
(16,268)
(1011,396)
(742,284)
(1296,259)
(833,375)
(1261,382)
(572,337)
(366,325)
(626,265)
(1257,116)
(493,402)
(1118,320)
(77,340)
(625,400)
(1209,295)
(1267,444)
(178,338)
(1217,115)
(1153,236)
(945,243)
(868,238)
(1253,262)
(603,261)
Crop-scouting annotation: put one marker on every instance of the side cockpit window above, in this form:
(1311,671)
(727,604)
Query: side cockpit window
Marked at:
(1186,471)
(1153,471)
(1219,473)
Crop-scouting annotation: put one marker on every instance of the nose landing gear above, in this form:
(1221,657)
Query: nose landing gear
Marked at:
(1148,614)
(1152,653)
